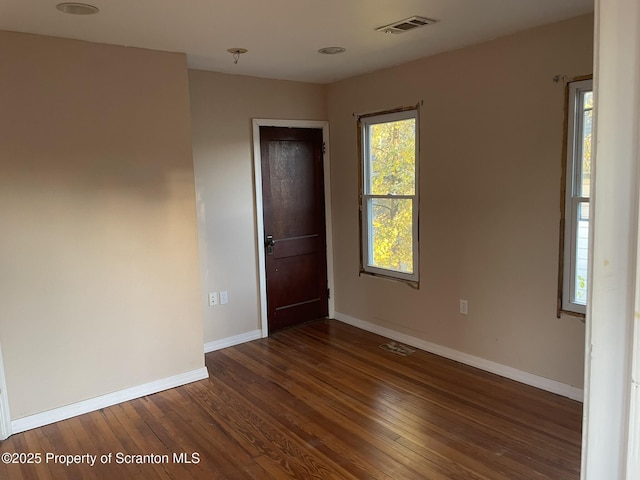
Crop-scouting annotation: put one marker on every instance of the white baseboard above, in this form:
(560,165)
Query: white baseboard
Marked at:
(93,404)
(518,375)
(231,341)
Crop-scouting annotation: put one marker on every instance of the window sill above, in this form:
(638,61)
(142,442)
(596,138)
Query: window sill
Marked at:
(570,313)
(412,283)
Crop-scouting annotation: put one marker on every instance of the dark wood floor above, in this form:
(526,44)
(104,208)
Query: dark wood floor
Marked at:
(321,401)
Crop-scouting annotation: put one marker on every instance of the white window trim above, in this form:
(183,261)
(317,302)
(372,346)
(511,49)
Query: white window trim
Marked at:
(366,248)
(572,201)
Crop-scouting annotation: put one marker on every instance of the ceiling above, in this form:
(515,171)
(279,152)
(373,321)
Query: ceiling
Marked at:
(283,36)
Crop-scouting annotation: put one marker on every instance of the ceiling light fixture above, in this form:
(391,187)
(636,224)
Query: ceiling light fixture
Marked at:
(236,52)
(332,50)
(77,8)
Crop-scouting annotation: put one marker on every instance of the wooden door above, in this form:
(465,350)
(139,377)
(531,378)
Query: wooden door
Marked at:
(294,225)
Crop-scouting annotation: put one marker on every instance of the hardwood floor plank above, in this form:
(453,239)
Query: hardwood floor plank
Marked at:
(270,440)
(377,438)
(204,435)
(341,397)
(322,401)
(452,373)
(520,421)
(408,417)
(328,436)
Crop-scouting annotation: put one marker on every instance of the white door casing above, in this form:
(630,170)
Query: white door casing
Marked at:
(611,430)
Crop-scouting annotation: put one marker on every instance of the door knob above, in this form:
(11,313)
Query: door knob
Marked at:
(269,242)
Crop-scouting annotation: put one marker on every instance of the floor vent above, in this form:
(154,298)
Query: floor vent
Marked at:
(398,348)
(406,25)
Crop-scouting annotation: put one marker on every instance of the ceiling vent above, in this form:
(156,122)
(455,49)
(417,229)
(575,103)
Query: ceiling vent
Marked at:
(406,25)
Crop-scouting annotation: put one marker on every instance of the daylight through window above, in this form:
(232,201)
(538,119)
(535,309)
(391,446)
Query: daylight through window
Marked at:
(389,155)
(577,194)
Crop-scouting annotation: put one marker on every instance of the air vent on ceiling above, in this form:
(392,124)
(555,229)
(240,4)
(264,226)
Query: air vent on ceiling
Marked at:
(406,25)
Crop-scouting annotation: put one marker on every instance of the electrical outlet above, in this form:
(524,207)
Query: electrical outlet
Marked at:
(224,298)
(464,307)
(213,299)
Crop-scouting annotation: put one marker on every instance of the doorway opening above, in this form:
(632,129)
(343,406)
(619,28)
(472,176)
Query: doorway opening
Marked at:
(291,241)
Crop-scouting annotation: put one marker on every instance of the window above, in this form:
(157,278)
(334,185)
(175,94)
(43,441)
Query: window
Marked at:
(576,197)
(389,197)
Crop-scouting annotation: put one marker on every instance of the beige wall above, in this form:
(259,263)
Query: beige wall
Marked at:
(98,245)
(222,109)
(491,138)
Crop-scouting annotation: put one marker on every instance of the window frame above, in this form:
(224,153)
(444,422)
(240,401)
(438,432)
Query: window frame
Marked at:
(366,252)
(571,199)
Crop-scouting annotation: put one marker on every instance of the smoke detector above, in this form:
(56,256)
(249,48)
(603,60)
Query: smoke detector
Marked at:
(406,25)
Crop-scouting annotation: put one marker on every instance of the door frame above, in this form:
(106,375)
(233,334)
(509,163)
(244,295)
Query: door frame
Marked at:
(611,441)
(5,418)
(257,189)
